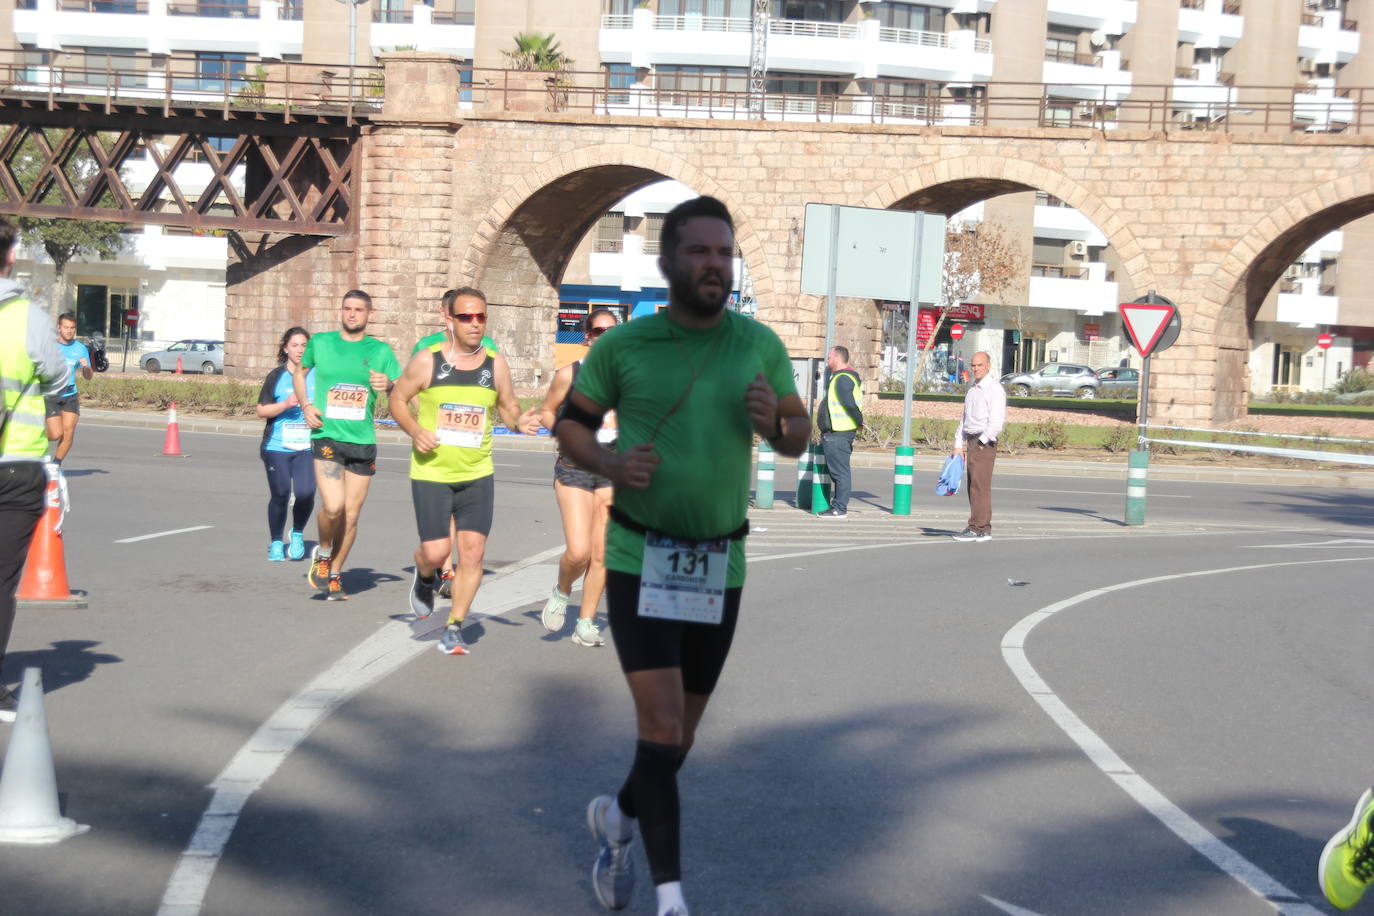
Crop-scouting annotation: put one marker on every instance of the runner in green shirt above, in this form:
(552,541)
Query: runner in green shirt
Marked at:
(351,369)
(690,386)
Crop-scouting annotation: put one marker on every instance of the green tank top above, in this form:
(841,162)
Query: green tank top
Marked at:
(457,408)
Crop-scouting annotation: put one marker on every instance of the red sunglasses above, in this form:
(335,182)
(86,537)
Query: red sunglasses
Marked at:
(469,317)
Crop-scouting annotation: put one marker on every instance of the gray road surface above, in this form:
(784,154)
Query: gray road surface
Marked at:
(873,748)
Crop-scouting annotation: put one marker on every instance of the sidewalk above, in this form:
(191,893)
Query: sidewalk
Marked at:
(1115,469)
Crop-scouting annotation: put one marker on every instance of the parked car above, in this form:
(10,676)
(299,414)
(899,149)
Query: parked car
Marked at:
(1119,383)
(205,356)
(1065,379)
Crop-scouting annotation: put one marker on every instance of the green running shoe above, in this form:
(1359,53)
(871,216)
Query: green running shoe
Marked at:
(1347,864)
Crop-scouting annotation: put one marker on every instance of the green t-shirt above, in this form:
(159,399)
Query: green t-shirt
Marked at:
(700,488)
(343,389)
(442,337)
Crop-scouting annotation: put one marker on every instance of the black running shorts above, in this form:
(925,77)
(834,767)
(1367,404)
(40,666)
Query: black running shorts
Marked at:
(58,404)
(355,457)
(469,504)
(643,643)
(570,475)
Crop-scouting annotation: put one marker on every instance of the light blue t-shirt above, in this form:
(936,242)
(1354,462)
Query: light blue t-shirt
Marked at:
(286,432)
(74,352)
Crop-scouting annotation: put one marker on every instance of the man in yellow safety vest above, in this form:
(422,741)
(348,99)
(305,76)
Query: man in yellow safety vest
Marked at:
(31,368)
(839,417)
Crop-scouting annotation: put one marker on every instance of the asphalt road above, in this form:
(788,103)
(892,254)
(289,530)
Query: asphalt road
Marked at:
(1153,723)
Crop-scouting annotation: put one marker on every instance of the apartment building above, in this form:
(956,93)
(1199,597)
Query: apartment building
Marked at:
(1039,62)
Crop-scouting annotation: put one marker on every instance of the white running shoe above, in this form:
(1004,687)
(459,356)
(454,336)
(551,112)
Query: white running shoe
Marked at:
(555,611)
(586,633)
(613,872)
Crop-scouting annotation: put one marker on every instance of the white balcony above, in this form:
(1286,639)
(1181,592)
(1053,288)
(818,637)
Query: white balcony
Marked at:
(1209,25)
(424,34)
(631,268)
(1091,295)
(1323,106)
(1202,92)
(972,6)
(865,50)
(1095,77)
(1066,223)
(1307,308)
(155,249)
(1330,42)
(959,56)
(1327,247)
(158,28)
(1115,17)
(639,101)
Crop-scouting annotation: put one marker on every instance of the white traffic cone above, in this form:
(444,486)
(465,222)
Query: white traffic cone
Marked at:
(28,786)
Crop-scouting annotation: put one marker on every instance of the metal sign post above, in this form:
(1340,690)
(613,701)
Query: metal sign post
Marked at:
(1151,323)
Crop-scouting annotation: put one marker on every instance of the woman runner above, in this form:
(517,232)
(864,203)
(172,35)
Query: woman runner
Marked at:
(286,450)
(584,501)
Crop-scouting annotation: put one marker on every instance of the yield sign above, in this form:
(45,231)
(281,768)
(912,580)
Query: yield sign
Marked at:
(1145,322)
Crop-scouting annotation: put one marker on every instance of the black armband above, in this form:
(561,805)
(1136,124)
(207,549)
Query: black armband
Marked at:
(570,411)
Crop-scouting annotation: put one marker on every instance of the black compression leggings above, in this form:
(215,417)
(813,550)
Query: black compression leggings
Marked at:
(287,471)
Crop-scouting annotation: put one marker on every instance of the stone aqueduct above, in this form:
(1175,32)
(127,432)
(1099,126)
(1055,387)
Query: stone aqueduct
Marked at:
(499,199)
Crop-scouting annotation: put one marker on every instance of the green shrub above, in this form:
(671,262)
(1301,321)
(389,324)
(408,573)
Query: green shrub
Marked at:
(1120,438)
(1050,433)
(880,431)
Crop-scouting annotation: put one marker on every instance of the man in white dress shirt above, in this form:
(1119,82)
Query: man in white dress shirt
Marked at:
(985,413)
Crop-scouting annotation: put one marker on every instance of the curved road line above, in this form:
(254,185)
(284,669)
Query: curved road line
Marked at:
(1251,876)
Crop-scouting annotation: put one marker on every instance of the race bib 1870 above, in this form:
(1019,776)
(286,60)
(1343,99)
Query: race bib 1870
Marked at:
(346,402)
(460,424)
(683,580)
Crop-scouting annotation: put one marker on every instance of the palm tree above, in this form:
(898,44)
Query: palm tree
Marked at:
(534,51)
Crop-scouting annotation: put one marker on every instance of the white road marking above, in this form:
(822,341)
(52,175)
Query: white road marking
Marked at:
(162,534)
(386,650)
(1009,908)
(1249,875)
(1080,492)
(1327,545)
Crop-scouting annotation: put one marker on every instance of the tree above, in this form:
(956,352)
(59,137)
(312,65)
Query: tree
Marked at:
(980,259)
(535,51)
(66,239)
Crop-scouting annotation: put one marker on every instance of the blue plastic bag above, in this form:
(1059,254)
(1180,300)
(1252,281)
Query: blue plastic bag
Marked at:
(951,476)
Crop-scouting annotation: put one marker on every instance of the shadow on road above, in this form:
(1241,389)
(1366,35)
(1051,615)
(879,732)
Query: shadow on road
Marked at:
(69,661)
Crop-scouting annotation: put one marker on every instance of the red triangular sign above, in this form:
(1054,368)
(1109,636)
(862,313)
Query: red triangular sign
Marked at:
(1145,322)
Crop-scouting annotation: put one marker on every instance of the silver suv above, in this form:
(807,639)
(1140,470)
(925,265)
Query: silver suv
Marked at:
(1063,379)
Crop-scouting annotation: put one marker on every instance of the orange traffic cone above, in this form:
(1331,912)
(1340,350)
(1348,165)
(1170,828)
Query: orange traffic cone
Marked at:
(45,573)
(171,446)
(178,372)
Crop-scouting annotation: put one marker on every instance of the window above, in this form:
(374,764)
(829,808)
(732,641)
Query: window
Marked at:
(105,67)
(733,9)
(1057,116)
(619,79)
(1287,367)
(1061,45)
(610,233)
(653,233)
(686,79)
(813,10)
(911,16)
(620,7)
(801,84)
(218,71)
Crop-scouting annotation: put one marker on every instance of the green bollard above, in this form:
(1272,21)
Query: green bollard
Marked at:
(901,480)
(820,483)
(763,489)
(1136,473)
(804,479)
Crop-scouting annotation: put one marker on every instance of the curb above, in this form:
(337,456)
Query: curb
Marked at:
(1046,467)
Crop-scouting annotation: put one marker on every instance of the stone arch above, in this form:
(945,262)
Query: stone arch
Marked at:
(949,185)
(521,248)
(1233,295)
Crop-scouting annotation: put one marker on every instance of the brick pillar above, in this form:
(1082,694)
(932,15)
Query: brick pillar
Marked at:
(405,221)
(296,282)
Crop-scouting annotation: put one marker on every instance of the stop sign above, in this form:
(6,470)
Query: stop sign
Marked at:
(956,331)
(1325,341)
(131,317)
